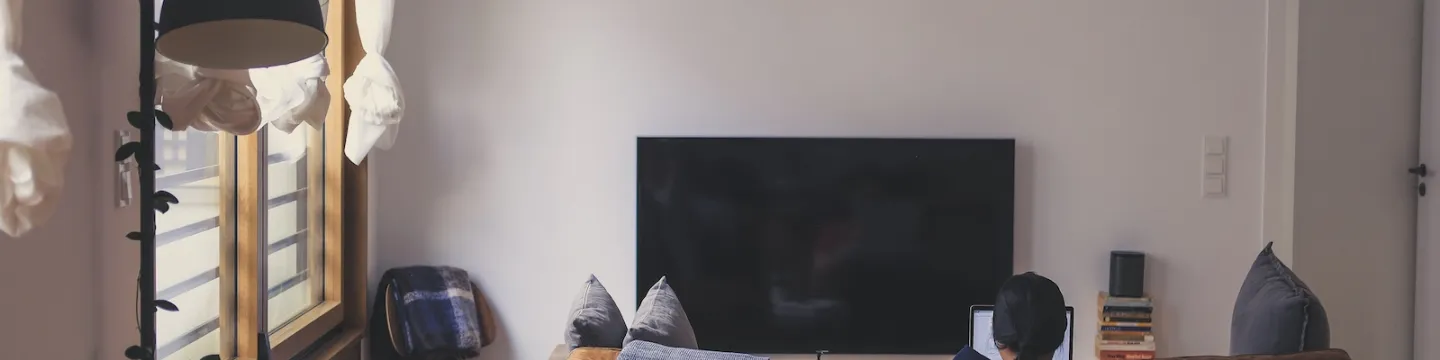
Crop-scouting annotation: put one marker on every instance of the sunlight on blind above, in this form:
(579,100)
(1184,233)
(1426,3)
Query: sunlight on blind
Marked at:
(294,218)
(188,243)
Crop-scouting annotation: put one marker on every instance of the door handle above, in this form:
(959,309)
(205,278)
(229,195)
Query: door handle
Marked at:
(124,187)
(1420,171)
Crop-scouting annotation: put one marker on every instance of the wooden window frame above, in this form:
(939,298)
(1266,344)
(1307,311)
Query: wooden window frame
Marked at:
(334,327)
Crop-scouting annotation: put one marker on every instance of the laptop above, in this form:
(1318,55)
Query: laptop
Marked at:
(984,342)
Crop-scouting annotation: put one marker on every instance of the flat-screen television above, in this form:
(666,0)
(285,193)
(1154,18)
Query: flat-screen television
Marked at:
(859,246)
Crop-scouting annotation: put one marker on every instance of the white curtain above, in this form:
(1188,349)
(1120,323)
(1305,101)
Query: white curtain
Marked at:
(241,101)
(34,139)
(293,94)
(373,92)
(206,99)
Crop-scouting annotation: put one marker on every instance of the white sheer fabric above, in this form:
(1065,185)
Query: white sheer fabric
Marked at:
(376,102)
(34,139)
(206,99)
(240,102)
(293,94)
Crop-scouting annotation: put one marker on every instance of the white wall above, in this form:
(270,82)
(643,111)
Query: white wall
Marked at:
(516,160)
(116,33)
(1281,79)
(1427,259)
(48,310)
(1356,129)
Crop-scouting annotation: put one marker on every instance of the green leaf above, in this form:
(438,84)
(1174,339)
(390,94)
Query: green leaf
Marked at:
(126,151)
(164,120)
(166,197)
(136,352)
(166,305)
(137,119)
(133,235)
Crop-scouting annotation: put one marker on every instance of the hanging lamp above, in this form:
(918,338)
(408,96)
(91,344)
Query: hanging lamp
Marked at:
(240,34)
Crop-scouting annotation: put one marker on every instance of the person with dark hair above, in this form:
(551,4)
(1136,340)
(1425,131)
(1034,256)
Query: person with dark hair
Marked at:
(1029,321)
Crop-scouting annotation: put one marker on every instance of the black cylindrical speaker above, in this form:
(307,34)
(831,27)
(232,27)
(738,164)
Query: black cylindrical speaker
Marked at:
(1127,274)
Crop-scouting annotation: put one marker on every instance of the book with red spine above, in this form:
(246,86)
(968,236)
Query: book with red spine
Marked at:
(1126,355)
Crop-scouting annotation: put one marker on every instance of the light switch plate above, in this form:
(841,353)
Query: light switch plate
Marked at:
(1214,164)
(1214,186)
(1216,144)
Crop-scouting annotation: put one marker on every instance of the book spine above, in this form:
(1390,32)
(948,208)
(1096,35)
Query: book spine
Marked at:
(1141,340)
(1126,314)
(1123,319)
(1126,323)
(1139,329)
(1127,355)
(1128,309)
(1119,342)
(1127,303)
(1118,332)
(1127,347)
(1130,305)
(1104,342)
(1110,336)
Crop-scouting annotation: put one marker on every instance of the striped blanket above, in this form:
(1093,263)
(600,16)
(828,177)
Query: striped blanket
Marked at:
(435,312)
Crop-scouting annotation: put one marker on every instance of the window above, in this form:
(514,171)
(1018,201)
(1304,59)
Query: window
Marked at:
(297,309)
(255,244)
(294,223)
(196,167)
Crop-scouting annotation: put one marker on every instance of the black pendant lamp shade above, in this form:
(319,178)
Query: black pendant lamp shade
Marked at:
(240,34)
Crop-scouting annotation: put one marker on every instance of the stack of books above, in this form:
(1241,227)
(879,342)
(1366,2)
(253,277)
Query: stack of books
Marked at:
(1125,329)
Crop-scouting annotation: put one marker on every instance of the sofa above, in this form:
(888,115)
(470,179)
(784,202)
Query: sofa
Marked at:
(1330,354)
(562,352)
(1276,316)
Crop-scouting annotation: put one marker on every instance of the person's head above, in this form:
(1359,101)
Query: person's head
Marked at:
(1030,318)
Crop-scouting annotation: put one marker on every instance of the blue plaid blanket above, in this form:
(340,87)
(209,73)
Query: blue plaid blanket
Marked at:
(435,310)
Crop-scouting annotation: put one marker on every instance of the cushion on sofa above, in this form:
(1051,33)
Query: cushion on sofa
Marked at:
(645,350)
(1276,313)
(661,320)
(591,353)
(595,320)
(1329,354)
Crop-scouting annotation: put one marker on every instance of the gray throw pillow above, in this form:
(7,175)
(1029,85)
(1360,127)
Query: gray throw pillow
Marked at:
(595,320)
(661,320)
(645,350)
(1276,313)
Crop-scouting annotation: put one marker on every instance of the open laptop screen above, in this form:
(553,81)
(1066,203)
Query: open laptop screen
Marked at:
(984,342)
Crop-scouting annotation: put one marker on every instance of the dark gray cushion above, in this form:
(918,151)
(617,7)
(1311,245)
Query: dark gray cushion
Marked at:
(661,320)
(645,350)
(595,320)
(1276,313)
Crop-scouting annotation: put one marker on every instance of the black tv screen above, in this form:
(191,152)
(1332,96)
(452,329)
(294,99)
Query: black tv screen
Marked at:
(859,246)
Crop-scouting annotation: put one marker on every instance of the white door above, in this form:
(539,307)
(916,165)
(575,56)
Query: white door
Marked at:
(1427,242)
